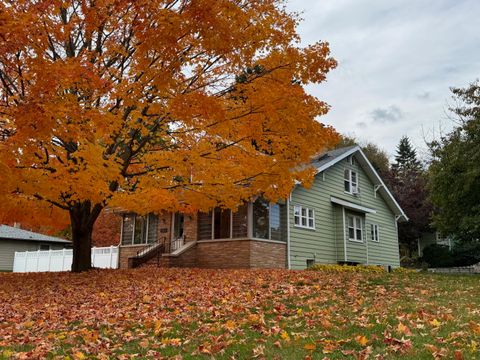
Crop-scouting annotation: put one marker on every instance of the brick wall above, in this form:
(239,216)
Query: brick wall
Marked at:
(185,259)
(126,252)
(190,227)
(268,255)
(240,254)
(223,254)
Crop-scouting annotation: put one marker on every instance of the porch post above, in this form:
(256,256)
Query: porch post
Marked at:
(344,235)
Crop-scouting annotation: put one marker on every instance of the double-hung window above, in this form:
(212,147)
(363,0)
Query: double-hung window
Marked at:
(350,181)
(375,236)
(304,217)
(355,228)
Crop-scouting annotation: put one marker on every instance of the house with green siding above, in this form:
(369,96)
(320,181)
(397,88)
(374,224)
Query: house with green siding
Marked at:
(347,216)
(351,215)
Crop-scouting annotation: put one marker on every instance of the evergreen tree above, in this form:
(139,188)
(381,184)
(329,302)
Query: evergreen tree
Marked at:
(406,159)
(407,180)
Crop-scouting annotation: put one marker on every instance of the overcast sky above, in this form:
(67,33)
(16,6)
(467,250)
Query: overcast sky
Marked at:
(397,60)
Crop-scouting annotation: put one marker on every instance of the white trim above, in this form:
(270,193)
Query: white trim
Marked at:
(241,239)
(355,217)
(337,159)
(402,213)
(121,232)
(288,232)
(344,235)
(351,205)
(172,226)
(307,227)
(372,170)
(353,188)
(398,242)
(146,228)
(250,219)
(366,238)
(374,226)
(181,250)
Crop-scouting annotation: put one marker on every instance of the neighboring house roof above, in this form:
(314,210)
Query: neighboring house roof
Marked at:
(10,232)
(330,158)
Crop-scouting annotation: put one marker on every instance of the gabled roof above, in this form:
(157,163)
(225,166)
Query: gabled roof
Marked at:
(332,157)
(13,233)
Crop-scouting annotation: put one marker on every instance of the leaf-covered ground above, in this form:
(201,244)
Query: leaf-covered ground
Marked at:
(229,314)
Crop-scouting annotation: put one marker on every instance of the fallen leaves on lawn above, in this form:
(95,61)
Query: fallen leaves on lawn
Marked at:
(176,313)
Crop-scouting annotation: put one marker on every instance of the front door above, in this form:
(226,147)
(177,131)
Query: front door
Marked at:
(178,231)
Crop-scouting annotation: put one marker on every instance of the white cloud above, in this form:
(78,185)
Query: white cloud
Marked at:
(397,59)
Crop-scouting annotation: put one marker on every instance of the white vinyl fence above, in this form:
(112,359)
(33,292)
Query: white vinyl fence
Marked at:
(61,260)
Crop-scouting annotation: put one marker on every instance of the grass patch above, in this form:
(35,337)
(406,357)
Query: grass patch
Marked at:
(273,314)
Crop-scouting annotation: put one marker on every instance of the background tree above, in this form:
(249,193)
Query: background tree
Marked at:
(153,105)
(454,180)
(406,160)
(373,152)
(408,182)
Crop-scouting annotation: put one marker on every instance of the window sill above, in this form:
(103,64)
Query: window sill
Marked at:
(356,241)
(241,239)
(136,245)
(304,227)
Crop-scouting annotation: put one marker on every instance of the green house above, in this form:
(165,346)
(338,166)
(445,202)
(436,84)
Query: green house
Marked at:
(347,216)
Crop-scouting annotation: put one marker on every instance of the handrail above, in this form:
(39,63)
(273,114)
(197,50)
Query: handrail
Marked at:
(144,255)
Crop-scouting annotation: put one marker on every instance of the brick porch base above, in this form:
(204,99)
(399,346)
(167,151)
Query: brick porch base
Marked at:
(219,254)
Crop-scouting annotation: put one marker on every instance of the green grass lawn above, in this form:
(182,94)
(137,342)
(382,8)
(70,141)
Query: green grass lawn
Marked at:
(239,314)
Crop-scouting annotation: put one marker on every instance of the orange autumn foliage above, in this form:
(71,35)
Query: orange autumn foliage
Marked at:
(153,105)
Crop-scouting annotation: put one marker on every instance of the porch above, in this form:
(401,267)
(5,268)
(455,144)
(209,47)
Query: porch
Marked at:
(252,236)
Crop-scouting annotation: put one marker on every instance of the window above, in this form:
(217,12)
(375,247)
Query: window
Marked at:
(351,160)
(269,220)
(139,230)
(304,217)
(355,229)
(374,232)
(350,181)
(223,224)
(310,263)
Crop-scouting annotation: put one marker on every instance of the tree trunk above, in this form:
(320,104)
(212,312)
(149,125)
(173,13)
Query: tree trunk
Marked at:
(82,218)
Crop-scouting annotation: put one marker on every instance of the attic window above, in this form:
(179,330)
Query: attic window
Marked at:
(350,181)
(351,160)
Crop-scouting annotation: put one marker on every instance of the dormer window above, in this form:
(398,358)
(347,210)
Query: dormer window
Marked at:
(351,181)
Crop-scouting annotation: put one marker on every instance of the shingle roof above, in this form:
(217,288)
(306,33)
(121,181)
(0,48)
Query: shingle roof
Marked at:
(10,232)
(331,155)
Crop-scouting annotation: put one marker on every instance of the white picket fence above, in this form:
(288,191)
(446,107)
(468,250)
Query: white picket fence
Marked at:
(61,260)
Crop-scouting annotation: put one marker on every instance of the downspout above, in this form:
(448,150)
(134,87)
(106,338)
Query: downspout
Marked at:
(344,235)
(397,217)
(288,232)
(366,237)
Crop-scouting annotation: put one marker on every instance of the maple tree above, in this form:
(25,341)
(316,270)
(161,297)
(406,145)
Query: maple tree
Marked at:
(153,105)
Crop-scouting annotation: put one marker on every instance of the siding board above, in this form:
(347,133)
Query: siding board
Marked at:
(325,244)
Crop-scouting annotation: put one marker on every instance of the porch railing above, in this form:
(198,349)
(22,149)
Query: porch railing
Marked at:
(178,243)
(156,249)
